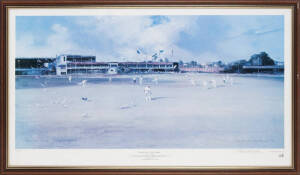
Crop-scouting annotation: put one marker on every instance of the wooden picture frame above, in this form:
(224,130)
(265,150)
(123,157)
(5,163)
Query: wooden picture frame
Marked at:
(85,170)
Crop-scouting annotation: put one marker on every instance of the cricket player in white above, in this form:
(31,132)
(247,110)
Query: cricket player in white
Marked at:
(83,83)
(155,80)
(213,83)
(70,79)
(148,93)
(141,80)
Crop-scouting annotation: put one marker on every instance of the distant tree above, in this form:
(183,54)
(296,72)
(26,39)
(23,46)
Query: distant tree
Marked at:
(161,60)
(261,59)
(236,66)
(220,63)
(193,63)
(242,62)
(166,60)
(180,62)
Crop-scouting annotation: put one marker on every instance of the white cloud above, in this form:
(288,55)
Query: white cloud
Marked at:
(129,33)
(123,34)
(117,38)
(59,28)
(56,43)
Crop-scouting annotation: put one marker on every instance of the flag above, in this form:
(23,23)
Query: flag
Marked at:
(154,56)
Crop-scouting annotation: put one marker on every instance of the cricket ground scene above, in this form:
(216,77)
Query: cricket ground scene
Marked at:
(149,81)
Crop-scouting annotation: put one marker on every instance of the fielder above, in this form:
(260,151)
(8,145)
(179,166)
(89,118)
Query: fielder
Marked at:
(148,93)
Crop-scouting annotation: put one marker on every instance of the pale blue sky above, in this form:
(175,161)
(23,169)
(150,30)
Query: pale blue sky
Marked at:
(116,38)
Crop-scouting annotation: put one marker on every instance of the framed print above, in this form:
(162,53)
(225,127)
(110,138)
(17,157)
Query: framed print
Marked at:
(154,87)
